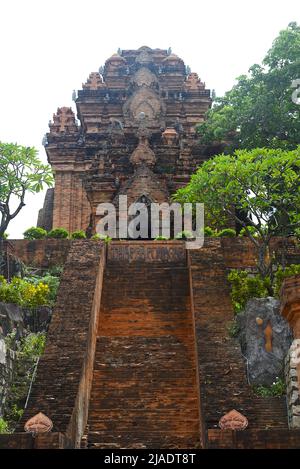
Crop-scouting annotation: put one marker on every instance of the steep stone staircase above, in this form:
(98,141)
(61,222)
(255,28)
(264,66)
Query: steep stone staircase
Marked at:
(144,389)
(223,380)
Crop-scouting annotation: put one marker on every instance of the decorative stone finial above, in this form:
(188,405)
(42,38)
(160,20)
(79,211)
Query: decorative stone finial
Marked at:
(193,82)
(143,154)
(170,136)
(94,82)
(233,420)
(64,121)
(40,423)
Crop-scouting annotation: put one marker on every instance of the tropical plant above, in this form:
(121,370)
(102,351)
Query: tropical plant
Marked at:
(27,350)
(264,183)
(3,426)
(21,172)
(276,389)
(23,292)
(226,233)
(79,234)
(105,238)
(245,286)
(184,235)
(259,111)
(35,233)
(282,273)
(58,233)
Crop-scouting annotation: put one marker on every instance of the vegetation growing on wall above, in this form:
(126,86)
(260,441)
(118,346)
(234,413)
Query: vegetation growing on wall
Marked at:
(276,389)
(245,285)
(27,349)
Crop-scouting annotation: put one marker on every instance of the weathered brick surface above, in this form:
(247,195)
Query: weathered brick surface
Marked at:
(26,441)
(144,391)
(42,253)
(239,252)
(223,381)
(254,439)
(156,302)
(62,387)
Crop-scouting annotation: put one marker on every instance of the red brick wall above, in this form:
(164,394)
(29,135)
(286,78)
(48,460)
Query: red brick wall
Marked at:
(42,253)
(254,439)
(222,370)
(144,391)
(62,386)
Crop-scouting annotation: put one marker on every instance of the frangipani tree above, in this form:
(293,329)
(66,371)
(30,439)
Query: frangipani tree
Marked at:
(21,171)
(259,110)
(263,183)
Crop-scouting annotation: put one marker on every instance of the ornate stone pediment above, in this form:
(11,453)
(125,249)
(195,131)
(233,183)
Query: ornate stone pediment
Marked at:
(233,420)
(40,423)
(144,56)
(144,100)
(143,154)
(144,77)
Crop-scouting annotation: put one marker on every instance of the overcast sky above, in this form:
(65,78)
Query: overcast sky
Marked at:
(48,48)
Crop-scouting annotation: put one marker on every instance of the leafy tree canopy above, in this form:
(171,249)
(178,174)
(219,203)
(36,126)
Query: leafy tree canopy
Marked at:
(263,183)
(21,171)
(259,111)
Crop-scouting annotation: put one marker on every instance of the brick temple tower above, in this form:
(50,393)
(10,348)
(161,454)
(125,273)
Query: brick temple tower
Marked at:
(135,135)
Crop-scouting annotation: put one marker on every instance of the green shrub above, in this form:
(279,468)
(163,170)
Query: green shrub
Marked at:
(161,238)
(51,281)
(24,293)
(35,233)
(210,232)
(58,233)
(3,426)
(27,351)
(79,234)
(184,235)
(96,237)
(251,230)
(33,345)
(4,236)
(54,271)
(277,389)
(245,286)
(105,238)
(281,274)
(227,232)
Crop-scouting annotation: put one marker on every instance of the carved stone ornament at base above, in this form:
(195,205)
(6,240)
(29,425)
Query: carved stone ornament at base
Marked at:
(40,423)
(233,421)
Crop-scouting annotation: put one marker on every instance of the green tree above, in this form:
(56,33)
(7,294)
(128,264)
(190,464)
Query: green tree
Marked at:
(21,171)
(259,111)
(264,183)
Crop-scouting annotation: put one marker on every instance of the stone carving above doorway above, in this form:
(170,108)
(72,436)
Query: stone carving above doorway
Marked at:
(144,100)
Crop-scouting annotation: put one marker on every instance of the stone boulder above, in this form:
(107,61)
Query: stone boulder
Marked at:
(265,339)
(14,317)
(11,318)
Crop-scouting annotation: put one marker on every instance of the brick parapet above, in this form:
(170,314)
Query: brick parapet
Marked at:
(62,386)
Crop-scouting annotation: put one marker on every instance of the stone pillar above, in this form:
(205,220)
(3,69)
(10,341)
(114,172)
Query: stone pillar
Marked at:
(290,309)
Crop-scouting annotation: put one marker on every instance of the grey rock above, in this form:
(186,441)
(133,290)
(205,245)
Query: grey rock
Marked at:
(2,351)
(11,317)
(263,367)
